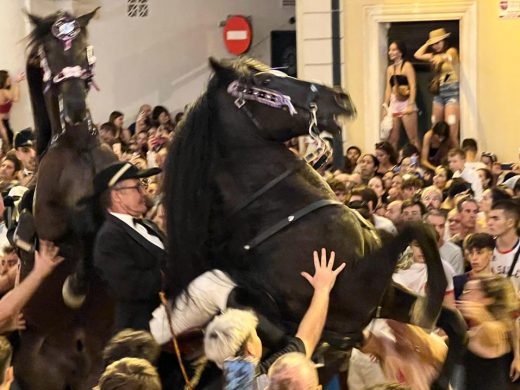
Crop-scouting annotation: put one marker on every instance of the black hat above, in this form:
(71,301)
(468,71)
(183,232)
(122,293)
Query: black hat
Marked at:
(119,171)
(24,137)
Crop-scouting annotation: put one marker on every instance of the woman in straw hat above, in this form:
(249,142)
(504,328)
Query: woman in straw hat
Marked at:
(400,95)
(445,61)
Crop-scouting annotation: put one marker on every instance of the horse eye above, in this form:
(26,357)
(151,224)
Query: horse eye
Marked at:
(266,81)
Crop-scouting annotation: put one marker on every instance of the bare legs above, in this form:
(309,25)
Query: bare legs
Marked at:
(451,115)
(409,122)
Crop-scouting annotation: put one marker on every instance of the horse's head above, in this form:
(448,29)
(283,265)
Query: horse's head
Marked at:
(60,42)
(280,106)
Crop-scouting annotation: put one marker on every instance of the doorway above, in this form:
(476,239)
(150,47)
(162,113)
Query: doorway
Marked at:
(377,19)
(414,34)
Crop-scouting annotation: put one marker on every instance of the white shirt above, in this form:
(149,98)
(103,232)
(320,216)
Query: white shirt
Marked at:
(501,263)
(382,223)
(129,220)
(452,254)
(471,176)
(416,276)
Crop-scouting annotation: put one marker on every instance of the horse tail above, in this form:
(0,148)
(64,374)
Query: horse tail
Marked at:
(42,123)
(188,194)
(384,259)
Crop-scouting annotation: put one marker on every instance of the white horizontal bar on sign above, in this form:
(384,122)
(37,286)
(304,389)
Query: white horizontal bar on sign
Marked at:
(236,35)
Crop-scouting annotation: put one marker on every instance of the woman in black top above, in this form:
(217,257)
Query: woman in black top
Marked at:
(400,95)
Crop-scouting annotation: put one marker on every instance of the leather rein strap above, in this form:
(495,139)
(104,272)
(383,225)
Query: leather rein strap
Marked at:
(266,234)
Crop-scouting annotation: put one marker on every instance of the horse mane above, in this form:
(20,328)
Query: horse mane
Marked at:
(189,194)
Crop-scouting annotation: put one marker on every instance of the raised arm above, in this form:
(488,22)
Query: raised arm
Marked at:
(421,54)
(14,93)
(45,260)
(313,321)
(425,151)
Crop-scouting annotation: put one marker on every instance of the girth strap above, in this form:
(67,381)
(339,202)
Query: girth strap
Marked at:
(289,220)
(264,189)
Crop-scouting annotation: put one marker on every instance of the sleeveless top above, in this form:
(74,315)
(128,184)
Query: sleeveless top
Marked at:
(449,72)
(6,107)
(486,374)
(398,79)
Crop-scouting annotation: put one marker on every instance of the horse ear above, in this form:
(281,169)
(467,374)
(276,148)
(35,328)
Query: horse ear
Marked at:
(35,20)
(83,20)
(221,70)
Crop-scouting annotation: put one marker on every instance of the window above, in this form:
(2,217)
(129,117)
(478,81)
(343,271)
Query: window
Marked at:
(137,8)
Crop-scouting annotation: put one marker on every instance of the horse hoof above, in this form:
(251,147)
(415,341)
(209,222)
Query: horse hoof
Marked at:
(72,300)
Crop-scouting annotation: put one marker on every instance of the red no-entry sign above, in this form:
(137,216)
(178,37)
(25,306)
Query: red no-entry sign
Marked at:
(237,34)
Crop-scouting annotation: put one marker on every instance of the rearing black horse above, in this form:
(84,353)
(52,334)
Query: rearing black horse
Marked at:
(65,336)
(238,200)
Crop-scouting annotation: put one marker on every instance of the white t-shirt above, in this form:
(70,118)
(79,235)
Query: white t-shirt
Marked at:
(416,276)
(382,223)
(502,261)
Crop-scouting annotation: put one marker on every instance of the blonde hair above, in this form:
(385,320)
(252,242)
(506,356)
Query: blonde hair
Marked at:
(130,374)
(505,300)
(227,333)
(293,371)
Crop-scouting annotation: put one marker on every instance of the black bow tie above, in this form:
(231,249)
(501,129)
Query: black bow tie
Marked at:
(150,227)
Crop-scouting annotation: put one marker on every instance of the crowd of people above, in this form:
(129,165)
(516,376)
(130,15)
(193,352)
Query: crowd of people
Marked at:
(470,199)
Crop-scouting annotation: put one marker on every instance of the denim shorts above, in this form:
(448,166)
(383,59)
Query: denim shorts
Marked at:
(448,94)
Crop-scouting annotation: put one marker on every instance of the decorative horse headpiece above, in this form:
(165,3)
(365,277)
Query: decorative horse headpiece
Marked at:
(244,92)
(66,28)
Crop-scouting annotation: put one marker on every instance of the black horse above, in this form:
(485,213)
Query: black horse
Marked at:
(238,200)
(61,348)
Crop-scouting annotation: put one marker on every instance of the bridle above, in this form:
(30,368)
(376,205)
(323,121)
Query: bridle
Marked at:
(245,92)
(66,29)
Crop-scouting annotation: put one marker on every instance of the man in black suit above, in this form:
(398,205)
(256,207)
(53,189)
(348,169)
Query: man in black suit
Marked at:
(128,251)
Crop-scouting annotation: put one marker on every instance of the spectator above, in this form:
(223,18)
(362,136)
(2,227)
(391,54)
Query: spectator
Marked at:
(6,369)
(487,304)
(24,150)
(293,371)
(339,189)
(450,253)
(416,276)
(351,159)
(457,162)
(503,222)
(367,167)
(142,121)
(117,118)
(394,212)
(161,118)
(445,61)
(436,144)
(131,343)
(108,133)
(45,260)
(10,167)
(440,178)
(488,159)
(470,147)
(467,208)
(400,93)
(9,94)
(478,250)
(9,269)
(387,157)
(130,374)
(376,184)
(410,187)
(233,333)
(413,210)
(387,179)
(486,178)
(431,197)
(489,197)
(454,226)
(365,200)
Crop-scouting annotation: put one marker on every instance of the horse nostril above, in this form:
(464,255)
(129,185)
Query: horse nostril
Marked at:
(79,345)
